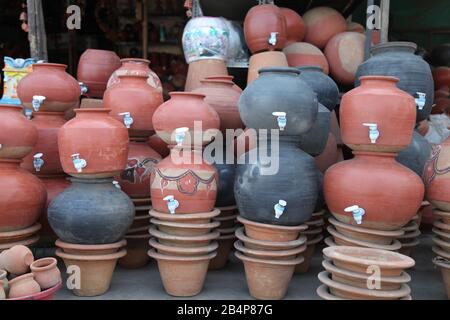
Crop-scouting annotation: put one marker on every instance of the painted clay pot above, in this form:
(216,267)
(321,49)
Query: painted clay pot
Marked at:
(184,229)
(268,245)
(135,179)
(183,110)
(416,154)
(267,232)
(18,135)
(225,191)
(265,28)
(445,271)
(295,27)
(46,272)
(201,69)
(202,217)
(345,52)
(16,260)
(322,23)
(397,59)
(441,77)
(329,156)
(347,184)
(226,78)
(158,144)
(97,138)
(183,251)
(184,241)
(223,252)
(23,196)
(95,68)
(137,247)
(50,80)
(133,98)
(24,285)
(301,54)
(263,60)
(314,141)
(77,215)
(47,125)
(91,249)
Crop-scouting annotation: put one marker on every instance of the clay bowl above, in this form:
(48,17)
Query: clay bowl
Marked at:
(354,293)
(226,222)
(183,251)
(445,271)
(223,252)
(268,245)
(137,247)
(444,216)
(408,248)
(360,259)
(140,221)
(443,245)
(19,235)
(269,232)
(203,217)
(441,253)
(43,295)
(324,292)
(182,276)
(442,234)
(184,229)
(268,279)
(25,242)
(183,241)
(307,254)
(88,249)
(312,233)
(269,254)
(228,211)
(365,234)
(442,226)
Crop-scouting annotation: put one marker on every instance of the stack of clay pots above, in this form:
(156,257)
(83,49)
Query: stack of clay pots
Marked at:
(23,278)
(353,273)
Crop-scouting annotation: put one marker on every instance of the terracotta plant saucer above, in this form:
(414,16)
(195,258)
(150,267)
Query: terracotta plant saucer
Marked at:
(442,226)
(204,217)
(268,245)
(442,234)
(410,227)
(226,222)
(444,245)
(329,242)
(184,229)
(25,242)
(143,208)
(269,254)
(227,231)
(139,231)
(183,251)
(442,253)
(269,232)
(315,223)
(228,211)
(408,248)
(445,271)
(19,235)
(444,216)
(223,252)
(307,254)
(140,221)
(325,294)
(184,241)
(137,247)
(312,233)
(90,249)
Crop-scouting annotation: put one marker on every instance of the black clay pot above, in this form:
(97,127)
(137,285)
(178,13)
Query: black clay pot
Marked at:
(279,89)
(416,154)
(259,186)
(398,59)
(326,89)
(225,192)
(91,212)
(320,204)
(314,141)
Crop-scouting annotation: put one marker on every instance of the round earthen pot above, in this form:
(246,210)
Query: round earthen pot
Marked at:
(441,77)
(226,78)
(91,249)
(137,247)
(183,251)
(301,54)
(184,241)
(158,144)
(133,102)
(416,154)
(201,69)
(315,140)
(96,138)
(265,28)
(267,232)
(185,229)
(18,135)
(23,285)
(46,272)
(445,271)
(263,60)
(329,156)
(268,245)
(366,115)
(50,80)
(16,260)
(295,26)
(95,68)
(355,27)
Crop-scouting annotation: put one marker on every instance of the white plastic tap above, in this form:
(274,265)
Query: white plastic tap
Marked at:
(180,134)
(38,162)
(28,113)
(127,119)
(83,87)
(281,119)
(357,212)
(279,208)
(172,204)
(37,102)
(116,184)
(78,163)
(374,134)
(421,100)
(272,38)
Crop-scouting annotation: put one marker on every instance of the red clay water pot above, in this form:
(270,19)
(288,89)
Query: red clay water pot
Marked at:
(158,144)
(23,285)
(46,148)
(301,54)
(95,68)
(367,114)
(98,139)
(16,260)
(441,77)
(201,69)
(264,59)
(46,272)
(22,197)
(18,135)
(373,191)
(227,78)
(265,28)
(133,102)
(295,26)
(50,80)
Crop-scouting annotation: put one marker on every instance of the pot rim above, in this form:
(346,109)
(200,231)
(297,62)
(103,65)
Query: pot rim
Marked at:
(22,232)
(376,154)
(244,221)
(20,278)
(159,256)
(393,233)
(286,70)
(183,216)
(153,242)
(132,75)
(317,222)
(50,263)
(219,81)
(25,242)
(441,213)
(290,262)
(440,225)
(186,93)
(138,236)
(139,60)
(310,68)
(319,213)
(441,233)
(166,236)
(99,257)
(380,77)
(411,244)
(134,230)
(228,208)
(229,77)
(323,292)
(313,231)
(441,243)
(412,226)
(241,236)
(228,230)
(92,110)
(410,235)
(239,245)
(48,113)
(226,218)
(181,225)
(224,237)
(442,253)
(94,247)
(50,64)
(404,44)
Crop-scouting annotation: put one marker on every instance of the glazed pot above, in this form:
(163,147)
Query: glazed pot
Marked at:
(50,80)
(90,249)
(313,142)
(263,60)
(267,232)
(183,251)
(95,68)
(183,241)
(158,144)
(16,260)
(223,252)
(445,271)
(97,138)
(329,156)
(295,26)
(23,197)
(266,244)
(47,125)
(265,28)
(46,272)
(397,59)
(203,217)
(137,247)
(201,69)
(24,285)
(133,98)
(416,154)
(184,229)
(301,54)
(366,115)
(78,214)
(225,194)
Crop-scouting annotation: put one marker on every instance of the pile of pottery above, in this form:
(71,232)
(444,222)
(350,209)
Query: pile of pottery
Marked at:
(353,273)
(23,278)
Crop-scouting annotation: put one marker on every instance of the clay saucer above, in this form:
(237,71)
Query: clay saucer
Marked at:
(354,293)
(184,241)
(270,232)
(144,208)
(329,242)
(184,229)
(90,249)
(365,234)
(141,201)
(268,245)
(445,271)
(19,235)
(443,226)
(444,216)
(318,222)
(312,233)
(228,211)
(415,219)
(359,259)
(226,222)
(203,217)
(442,253)
(269,254)
(409,236)
(227,231)
(183,251)
(442,234)
(307,254)
(26,242)
(317,214)
(324,292)
(444,245)
(223,252)
(140,221)
(138,231)
(410,227)
(408,248)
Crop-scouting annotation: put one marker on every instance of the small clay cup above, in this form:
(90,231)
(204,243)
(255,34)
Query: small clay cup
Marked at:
(269,254)
(137,247)
(203,217)
(183,241)
(183,228)
(223,252)
(183,251)
(23,285)
(46,272)
(90,249)
(16,260)
(268,245)
(269,232)
(307,254)
(444,265)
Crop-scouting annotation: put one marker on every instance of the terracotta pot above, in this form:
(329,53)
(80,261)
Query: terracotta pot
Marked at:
(158,144)
(223,252)
(416,154)
(355,27)
(267,232)
(268,279)
(201,69)
(50,80)
(137,247)
(16,260)
(46,272)
(268,245)
(183,241)
(226,78)
(90,249)
(329,156)
(445,271)
(202,217)
(24,285)
(347,184)
(183,251)
(183,110)
(96,271)
(444,245)
(134,96)
(95,68)
(295,26)
(266,254)
(184,229)
(322,23)
(262,60)
(441,77)
(182,276)
(9,237)
(98,139)
(43,295)
(227,222)
(300,54)
(308,254)
(18,134)
(260,23)
(383,101)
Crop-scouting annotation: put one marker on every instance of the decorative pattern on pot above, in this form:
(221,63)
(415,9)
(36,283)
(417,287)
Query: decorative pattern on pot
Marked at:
(13,72)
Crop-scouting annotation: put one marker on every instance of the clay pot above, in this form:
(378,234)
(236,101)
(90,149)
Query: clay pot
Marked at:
(201,69)
(347,184)
(300,54)
(16,260)
(46,272)
(43,295)
(223,252)
(225,191)
(50,80)
(307,254)
(92,249)
(252,243)
(137,247)
(202,217)
(183,241)
(24,285)
(443,245)
(295,27)
(322,23)
(441,77)
(315,140)
(134,96)
(267,232)
(18,135)
(158,144)
(445,271)
(184,229)
(345,52)
(263,60)
(376,102)
(226,78)
(95,68)
(78,214)
(96,271)
(268,279)
(10,237)
(260,24)
(416,154)
(98,139)
(266,254)
(183,251)
(182,276)
(329,156)
(355,27)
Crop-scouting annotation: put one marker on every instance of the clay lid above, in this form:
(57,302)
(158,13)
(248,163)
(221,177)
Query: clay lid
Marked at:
(184,250)
(184,216)
(95,257)
(393,234)
(244,221)
(18,235)
(184,225)
(90,247)
(285,245)
(442,253)
(268,254)
(43,264)
(290,262)
(159,256)
(166,236)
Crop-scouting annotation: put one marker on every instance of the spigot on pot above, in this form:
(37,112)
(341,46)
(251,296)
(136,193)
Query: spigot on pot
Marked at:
(279,208)
(272,40)
(127,119)
(28,113)
(172,204)
(78,163)
(421,100)
(373,131)
(281,119)
(37,102)
(357,213)
(116,184)
(84,88)
(38,162)
(180,134)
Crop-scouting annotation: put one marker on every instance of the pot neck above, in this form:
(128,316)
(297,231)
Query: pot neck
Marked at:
(135,62)
(191,96)
(396,46)
(229,78)
(310,69)
(92,112)
(133,79)
(9,163)
(47,66)
(284,71)
(378,81)
(379,157)
(216,83)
